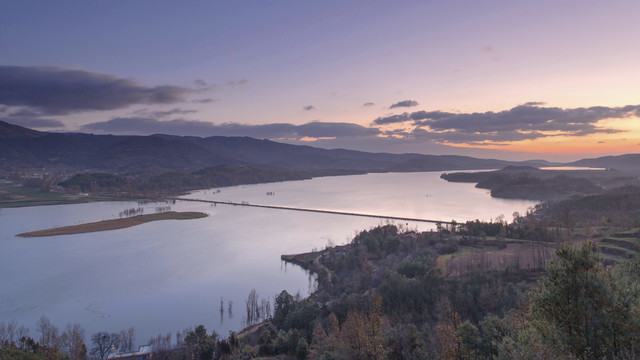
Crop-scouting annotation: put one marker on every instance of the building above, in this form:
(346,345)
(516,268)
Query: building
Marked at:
(143,353)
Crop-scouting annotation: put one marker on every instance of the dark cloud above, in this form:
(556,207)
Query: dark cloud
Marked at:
(25,113)
(525,118)
(421,115)
(29,118)
(392,119)
(309,108)
(327,129)
(37,123)
(172,112)
(55,91)
(404,117)
(144,126)
(522,122)
(404,103)
(204,101)
(398,133)
(237,83)
(199,82)
(534,103)
(367,104)
(148,125)
(488,49)
(457,137)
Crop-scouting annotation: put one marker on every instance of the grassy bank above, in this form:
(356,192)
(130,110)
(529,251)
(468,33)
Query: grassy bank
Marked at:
(114,224)
(12,196)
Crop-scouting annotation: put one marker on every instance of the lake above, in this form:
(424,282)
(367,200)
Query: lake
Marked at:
(162,277)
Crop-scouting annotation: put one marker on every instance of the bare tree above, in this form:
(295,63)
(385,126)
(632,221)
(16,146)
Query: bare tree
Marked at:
(179,339)
(8,333)
(21,335)
(4,336)
(265,308)
(161,346)
(12,325)
(253,311)
(73,342)
(230,309)
(49,338)
(127,339)
(103,342)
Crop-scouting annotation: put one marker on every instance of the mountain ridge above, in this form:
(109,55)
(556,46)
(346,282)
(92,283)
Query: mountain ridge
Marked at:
(22,148)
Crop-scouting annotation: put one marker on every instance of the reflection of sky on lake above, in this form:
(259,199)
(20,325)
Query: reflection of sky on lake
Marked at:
(414,195)
(165,276)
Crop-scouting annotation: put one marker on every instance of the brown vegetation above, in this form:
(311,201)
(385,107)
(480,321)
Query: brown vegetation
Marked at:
(114,224)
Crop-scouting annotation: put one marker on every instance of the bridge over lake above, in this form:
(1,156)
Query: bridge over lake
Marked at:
(289,208)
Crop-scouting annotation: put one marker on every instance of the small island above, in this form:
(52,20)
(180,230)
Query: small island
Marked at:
(115,224)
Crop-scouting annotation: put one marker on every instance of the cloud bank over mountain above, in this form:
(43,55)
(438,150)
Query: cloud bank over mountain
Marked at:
(56,91)
(142,125)
(523,122)
(44,97)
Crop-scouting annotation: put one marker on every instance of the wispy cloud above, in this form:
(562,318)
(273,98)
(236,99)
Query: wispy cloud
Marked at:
(367,104)
(309,108)
(56,91)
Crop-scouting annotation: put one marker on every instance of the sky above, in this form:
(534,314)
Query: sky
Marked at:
(556,80)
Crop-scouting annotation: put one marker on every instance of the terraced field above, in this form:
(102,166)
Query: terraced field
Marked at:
(620,246)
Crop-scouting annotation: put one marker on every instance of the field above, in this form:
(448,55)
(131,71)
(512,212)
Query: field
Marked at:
(518,254)
(12,196)
(620,246)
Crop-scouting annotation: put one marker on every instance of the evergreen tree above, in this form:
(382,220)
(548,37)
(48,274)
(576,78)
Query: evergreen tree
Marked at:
(592,311)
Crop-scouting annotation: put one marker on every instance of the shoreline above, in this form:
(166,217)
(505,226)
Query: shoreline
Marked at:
(27,197)
(113,224)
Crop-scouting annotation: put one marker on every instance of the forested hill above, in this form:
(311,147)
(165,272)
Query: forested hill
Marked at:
(627,161)
(23,148)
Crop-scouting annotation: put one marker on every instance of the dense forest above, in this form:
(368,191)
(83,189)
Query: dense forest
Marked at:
(526,182)
(175,181)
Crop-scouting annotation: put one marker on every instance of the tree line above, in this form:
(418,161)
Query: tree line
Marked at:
(55,344)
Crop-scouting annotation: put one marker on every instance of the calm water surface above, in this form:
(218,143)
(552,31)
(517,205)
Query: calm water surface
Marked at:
(165,276)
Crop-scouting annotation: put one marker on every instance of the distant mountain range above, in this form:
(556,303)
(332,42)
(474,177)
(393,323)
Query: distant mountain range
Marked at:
(22,148)
(627,161)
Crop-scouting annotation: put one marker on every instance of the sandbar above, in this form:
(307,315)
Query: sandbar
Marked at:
(114,224)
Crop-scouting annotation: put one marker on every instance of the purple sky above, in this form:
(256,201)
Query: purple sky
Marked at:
(510,79)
